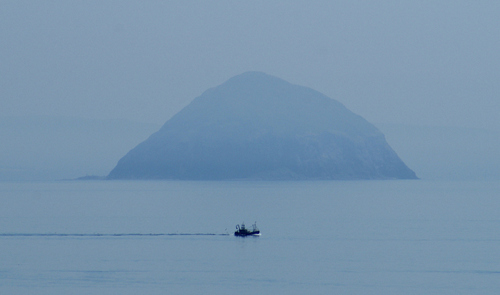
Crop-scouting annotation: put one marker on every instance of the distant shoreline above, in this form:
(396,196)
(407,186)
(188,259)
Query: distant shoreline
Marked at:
(91,177)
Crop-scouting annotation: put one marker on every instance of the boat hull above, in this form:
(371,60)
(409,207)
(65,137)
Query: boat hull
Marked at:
(241,233)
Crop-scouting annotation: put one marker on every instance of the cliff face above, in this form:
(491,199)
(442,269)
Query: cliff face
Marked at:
(255,126)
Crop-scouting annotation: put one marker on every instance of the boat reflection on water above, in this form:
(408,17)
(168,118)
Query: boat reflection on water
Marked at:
(241,231)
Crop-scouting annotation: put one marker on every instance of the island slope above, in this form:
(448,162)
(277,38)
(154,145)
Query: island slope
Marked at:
(256,126)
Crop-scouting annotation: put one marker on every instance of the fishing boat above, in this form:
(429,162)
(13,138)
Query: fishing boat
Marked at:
(241,231)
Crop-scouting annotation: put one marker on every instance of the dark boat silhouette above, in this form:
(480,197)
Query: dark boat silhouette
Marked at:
(241,231)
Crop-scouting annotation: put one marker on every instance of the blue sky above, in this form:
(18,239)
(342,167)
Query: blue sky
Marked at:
(411,62)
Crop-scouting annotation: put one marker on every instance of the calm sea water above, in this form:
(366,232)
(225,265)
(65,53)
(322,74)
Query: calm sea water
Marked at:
(331,237)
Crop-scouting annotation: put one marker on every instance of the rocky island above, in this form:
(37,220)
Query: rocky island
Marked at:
(256,126)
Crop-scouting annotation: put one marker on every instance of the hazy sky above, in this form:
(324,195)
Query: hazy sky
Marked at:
(414,62)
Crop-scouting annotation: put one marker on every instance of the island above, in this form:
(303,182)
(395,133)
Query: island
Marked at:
(259,127)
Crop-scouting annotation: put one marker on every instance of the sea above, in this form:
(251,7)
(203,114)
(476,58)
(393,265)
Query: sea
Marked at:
(317,237)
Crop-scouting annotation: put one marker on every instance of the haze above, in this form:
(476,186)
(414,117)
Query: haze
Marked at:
(424,72)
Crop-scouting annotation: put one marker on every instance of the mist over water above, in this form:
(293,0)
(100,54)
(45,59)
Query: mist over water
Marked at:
(320,237)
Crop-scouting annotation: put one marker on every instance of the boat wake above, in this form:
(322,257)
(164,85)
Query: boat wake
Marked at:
(107,235)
